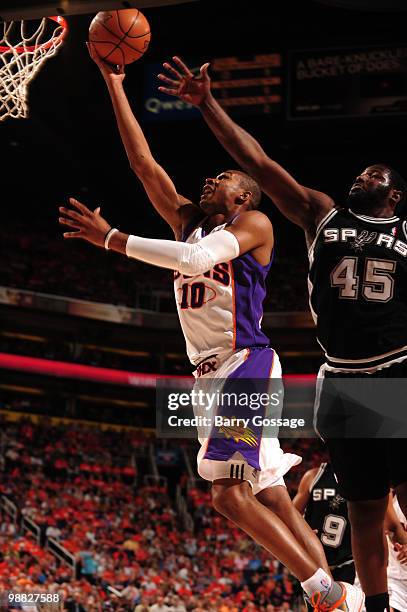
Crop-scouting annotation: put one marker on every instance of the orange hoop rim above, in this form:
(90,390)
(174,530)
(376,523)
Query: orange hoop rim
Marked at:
(44,46)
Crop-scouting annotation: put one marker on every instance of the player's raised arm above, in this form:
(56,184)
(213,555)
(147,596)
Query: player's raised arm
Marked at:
(188,258)
(302,497)
(302,205)
(172,206)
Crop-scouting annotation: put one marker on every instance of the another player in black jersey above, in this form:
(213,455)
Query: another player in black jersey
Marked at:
(326,512)
(358,281)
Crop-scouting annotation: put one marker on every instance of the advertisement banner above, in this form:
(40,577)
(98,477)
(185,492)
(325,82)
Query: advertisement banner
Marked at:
(354,82)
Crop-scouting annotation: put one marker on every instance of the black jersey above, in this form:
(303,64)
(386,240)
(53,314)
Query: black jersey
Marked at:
(358,289)
(327,512)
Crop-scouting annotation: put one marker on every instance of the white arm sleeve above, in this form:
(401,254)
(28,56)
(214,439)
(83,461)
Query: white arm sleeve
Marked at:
(190,259)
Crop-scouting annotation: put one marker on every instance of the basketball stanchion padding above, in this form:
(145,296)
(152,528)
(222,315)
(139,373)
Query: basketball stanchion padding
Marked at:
(24,47)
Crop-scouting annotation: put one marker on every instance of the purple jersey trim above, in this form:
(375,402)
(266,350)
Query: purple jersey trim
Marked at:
(249,278)
(251,376)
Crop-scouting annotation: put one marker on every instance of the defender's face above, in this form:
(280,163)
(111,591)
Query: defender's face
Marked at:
(373,184)
(220,193)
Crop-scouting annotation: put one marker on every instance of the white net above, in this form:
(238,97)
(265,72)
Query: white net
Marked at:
(24,47)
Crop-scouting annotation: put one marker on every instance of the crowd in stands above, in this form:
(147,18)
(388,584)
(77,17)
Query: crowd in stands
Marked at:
(40,261)
(80,486)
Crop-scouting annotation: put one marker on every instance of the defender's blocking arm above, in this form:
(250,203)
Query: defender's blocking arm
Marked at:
(173,207)
(304,206)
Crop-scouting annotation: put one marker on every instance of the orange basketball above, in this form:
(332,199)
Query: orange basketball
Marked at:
(120,37)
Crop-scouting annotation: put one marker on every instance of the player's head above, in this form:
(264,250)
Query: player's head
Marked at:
(378,186)
(231,191)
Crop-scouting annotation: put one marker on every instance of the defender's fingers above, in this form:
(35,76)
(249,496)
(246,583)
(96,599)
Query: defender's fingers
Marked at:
(162,77)
(70,213)
(84,209)
(170,92)
(72,234)
(69,222)
(183,66)
(171,69)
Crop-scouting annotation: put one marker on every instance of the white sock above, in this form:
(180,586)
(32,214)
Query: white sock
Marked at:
(319,582)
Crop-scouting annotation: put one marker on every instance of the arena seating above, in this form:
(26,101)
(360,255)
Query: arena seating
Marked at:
(80,488)
(37,262)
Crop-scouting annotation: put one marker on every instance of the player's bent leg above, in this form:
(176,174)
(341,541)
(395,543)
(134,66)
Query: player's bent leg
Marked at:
(278,501)
(369,545)
(235,500)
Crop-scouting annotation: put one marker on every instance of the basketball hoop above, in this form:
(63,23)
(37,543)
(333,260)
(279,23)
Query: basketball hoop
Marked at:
(22,53)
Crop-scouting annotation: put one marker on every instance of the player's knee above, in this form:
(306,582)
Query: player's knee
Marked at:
(367,514)
(230,501)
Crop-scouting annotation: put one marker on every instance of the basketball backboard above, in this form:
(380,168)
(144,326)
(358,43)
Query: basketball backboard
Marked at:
(34,9)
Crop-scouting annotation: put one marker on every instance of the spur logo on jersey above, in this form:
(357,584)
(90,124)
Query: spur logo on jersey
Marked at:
(357,241)
(335,503)
(198,293)
(363,238)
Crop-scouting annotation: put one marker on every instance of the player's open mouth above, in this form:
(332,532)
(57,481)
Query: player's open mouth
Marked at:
(207,190)
(356,186)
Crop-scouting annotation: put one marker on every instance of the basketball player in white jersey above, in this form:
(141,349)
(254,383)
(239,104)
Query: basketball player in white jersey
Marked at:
(396,528)
(221,256)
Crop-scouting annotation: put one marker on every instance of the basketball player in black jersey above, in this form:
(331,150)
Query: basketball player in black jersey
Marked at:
(325,510)
(358,280)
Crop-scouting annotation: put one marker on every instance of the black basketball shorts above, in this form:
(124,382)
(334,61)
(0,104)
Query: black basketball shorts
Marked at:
(353,405)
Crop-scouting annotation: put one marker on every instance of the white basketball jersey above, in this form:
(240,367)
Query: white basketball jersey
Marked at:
(221,310)
(395,570)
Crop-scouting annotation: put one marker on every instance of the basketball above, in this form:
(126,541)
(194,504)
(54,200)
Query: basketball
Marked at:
(120,37)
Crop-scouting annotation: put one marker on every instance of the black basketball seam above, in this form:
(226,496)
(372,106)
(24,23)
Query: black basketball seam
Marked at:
(112,51)
(132,23)
(118,45)
(125,35)
(121,41)
(138,35)
(110,31)
(130,47)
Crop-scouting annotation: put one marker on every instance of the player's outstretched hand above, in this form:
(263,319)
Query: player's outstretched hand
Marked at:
(182,83)
(109,71)
(88,225)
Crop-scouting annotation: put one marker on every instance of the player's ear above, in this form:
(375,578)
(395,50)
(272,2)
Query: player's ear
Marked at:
(242,198)
(396,195)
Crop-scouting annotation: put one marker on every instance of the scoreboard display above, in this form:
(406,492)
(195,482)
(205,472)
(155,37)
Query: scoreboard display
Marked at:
(244,85)
(249,85)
